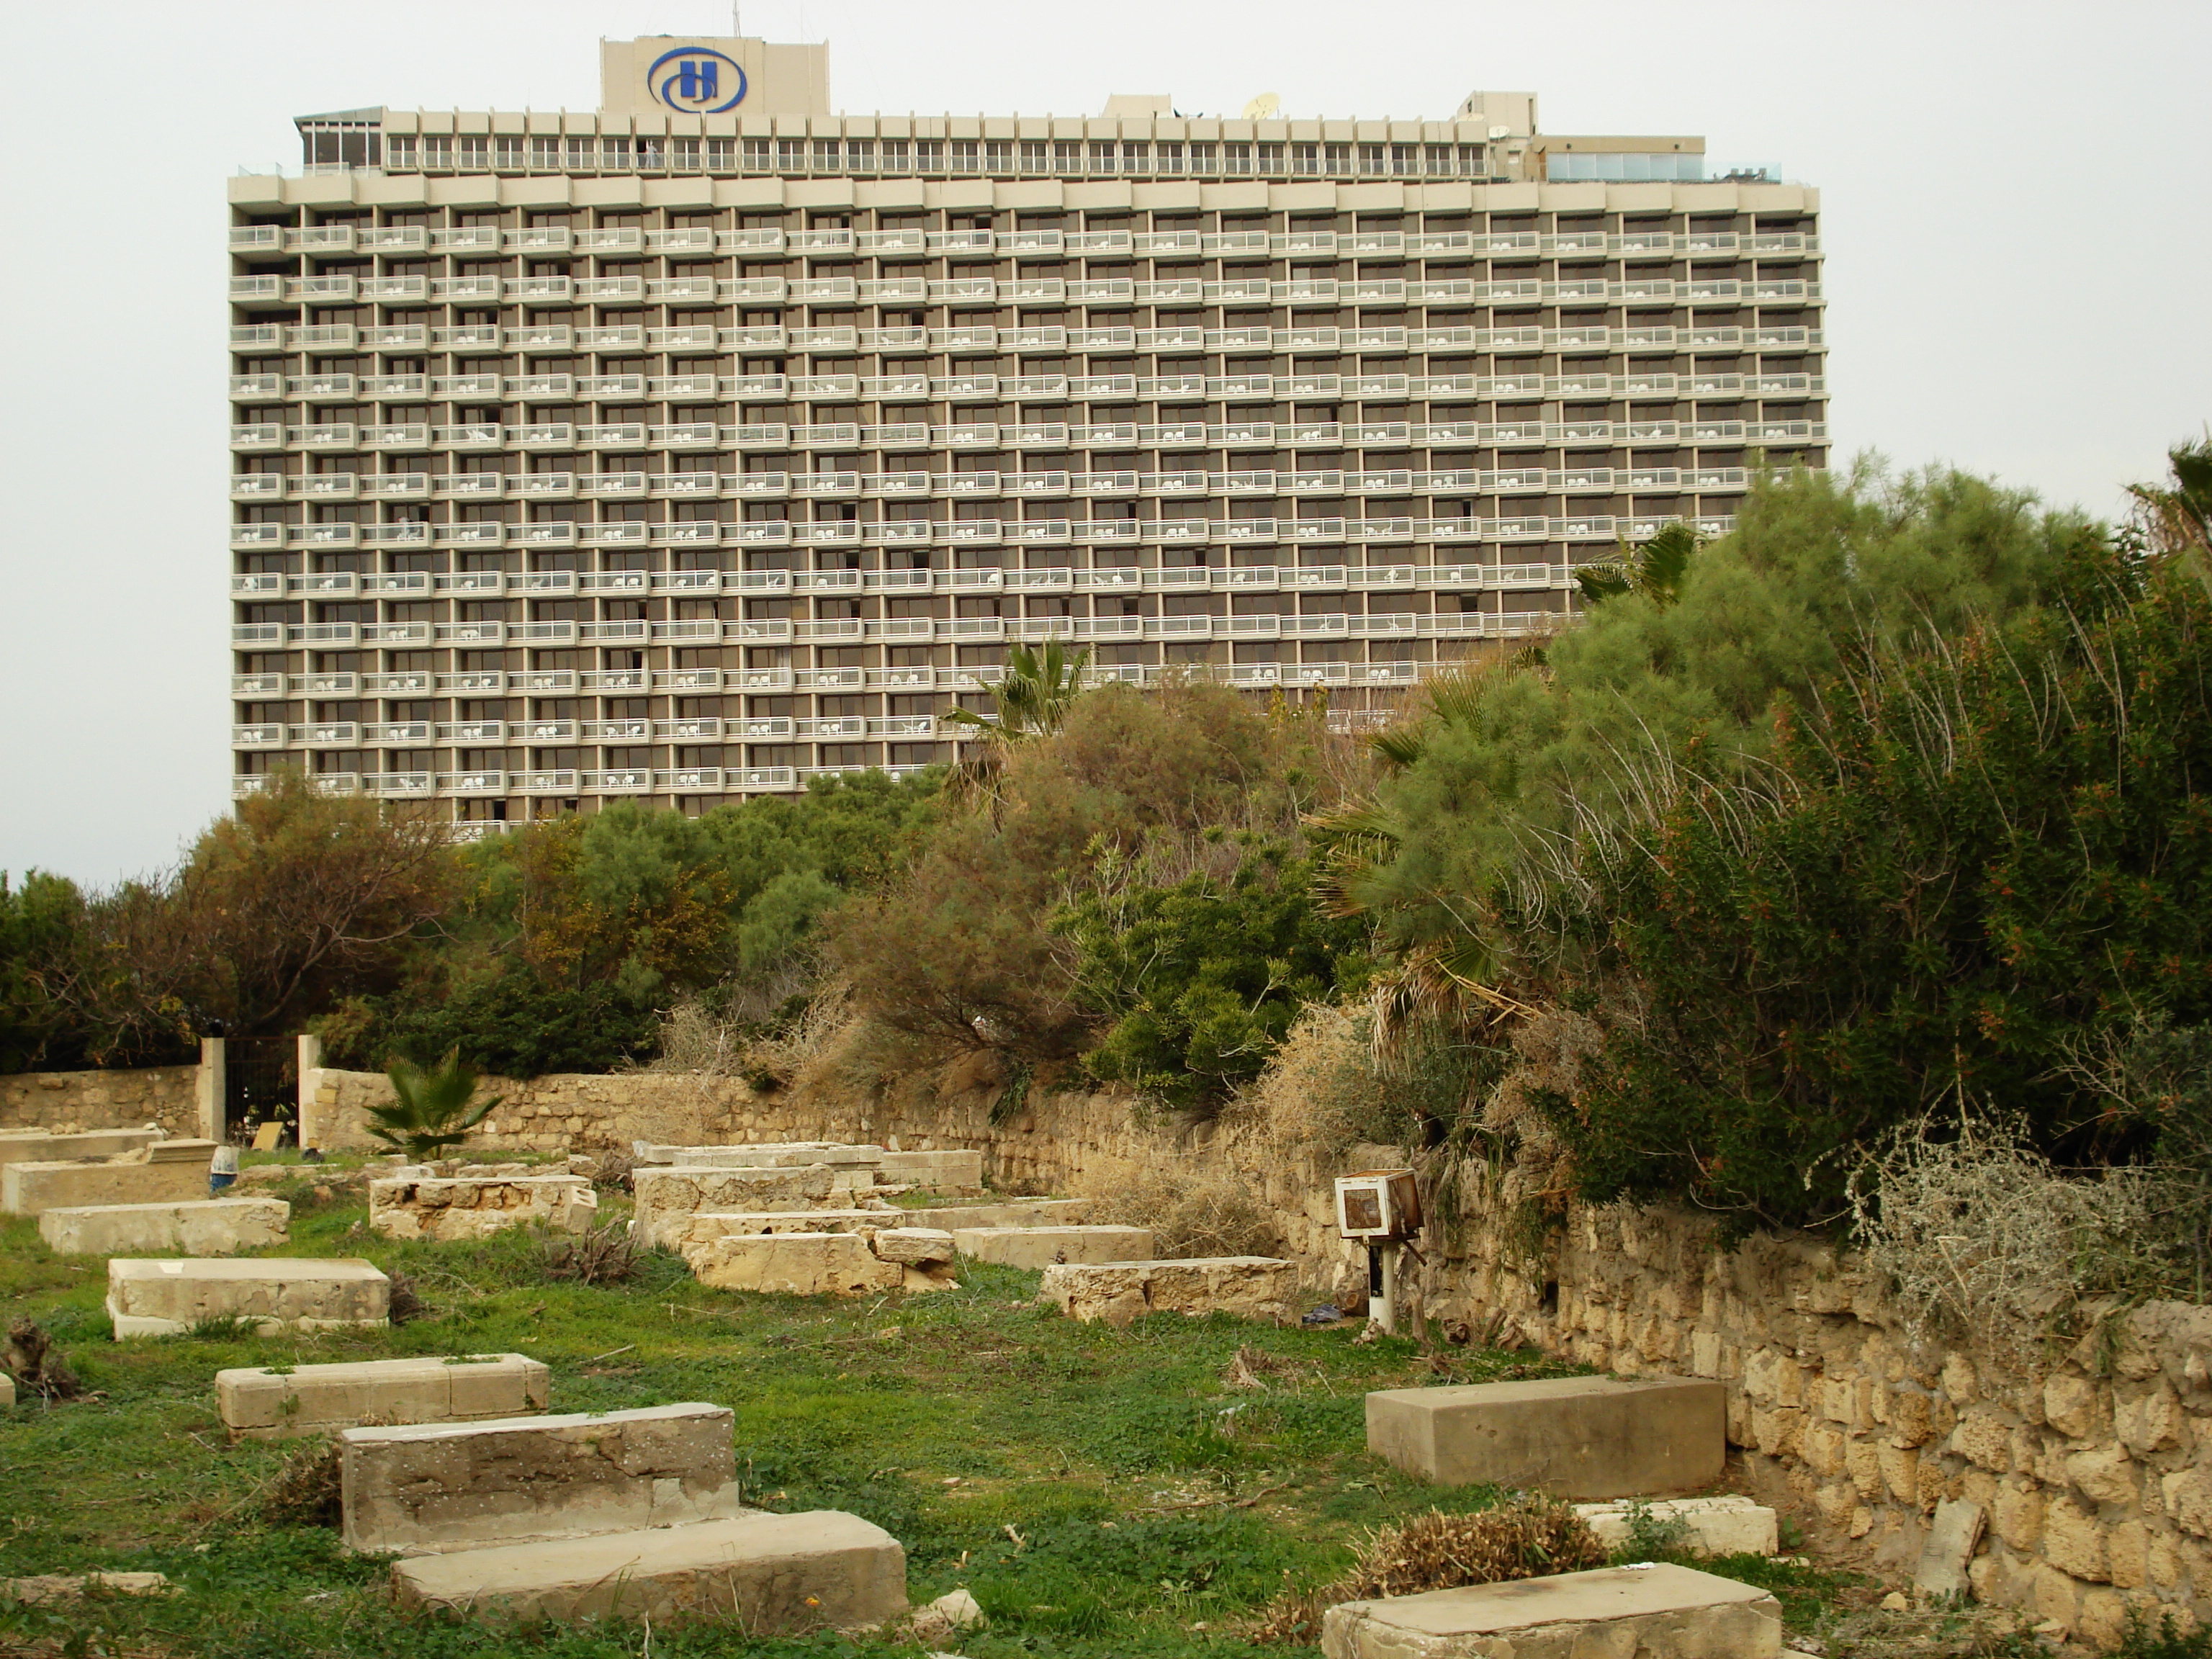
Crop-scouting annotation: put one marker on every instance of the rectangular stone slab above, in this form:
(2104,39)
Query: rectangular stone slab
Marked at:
(1005,1212)
(35,1188)
(476,1207)
(428,1488)
(682,1233)
(768,1574)
(165,1298)
(37,1146)
(793,1264)
(1250,1286)
(957,1170)
(1575,1437)
(1658,1612)
(259,1404)
(1717,1526)
(1041,1247)
(791,1155)
(207,1226)
(666,1195)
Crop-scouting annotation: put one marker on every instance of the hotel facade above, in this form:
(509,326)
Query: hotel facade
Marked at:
(687,449)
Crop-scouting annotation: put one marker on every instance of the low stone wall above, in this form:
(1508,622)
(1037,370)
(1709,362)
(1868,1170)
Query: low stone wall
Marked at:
(2094,1470)
(68,1102)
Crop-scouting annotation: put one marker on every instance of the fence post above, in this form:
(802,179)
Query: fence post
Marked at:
(311,1080)
(209,1089)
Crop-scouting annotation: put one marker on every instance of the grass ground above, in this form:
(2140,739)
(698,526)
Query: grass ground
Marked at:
(1099,1492)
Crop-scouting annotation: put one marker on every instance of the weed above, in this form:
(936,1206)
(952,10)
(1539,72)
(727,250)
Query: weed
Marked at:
(37,1369)
(305,1490)
(604,1254)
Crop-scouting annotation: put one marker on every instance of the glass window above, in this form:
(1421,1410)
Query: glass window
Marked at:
(1034,151)
(1304,158)
(898,157)
(999,155)
(756,153)
(860,155)
(1237,158)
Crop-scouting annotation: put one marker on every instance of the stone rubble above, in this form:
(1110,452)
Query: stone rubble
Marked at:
(476,1206)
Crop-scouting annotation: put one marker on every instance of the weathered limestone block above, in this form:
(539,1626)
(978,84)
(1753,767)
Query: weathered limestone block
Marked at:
(766,1155)
(1009,1212)
(6,1390)
(176,1172)
(257,1403)
(766,1574)
(201,1227)
(683,1233)
(1660,1612)
(917,1245)
(1250,1286)
(1717,1526)
(1576,1436)
(818,1264)
(664,1196)
(165,1298)
(1041,1247)
(38,1146)
(476,1206)
(427,1488)
(956,1171)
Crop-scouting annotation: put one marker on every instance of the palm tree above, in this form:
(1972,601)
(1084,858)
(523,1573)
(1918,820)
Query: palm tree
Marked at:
(1034,697)
(430,1109)
(2175,518)
(1654,569)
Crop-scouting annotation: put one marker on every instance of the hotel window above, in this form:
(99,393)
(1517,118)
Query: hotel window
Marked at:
(1136,158)
(1404,159)
(614,153)
(684,155)
(1440,161)
(790,155)
(897,156)
(827,152)
(1304,158)
(1034,152)
(1102,155)
(507,152)
(401,148)
(1370,158)
(544,151)
(578,152)
(1470,161)
(1067,156)
(1271,158)
(928,156)
(1171,158)
(1336,158)
(1237,158)
(1201,158)
(999,156)
(860,155)
(438,152)
(966,157)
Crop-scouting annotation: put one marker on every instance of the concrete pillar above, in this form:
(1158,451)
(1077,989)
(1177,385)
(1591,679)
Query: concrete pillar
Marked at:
(311,1081)
(209,1089)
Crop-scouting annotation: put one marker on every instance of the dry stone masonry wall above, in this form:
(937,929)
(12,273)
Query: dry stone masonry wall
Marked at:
(64,1102)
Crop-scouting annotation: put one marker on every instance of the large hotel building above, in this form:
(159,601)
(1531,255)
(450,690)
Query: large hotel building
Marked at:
(712,441)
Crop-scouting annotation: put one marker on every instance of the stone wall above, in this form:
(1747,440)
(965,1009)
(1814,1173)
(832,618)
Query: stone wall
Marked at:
(68,1102)
(2095,1471)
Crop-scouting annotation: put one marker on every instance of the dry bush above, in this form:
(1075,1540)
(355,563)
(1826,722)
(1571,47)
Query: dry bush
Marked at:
(305,1490)
(693,1039)
(36,1366)
(1213,1211)
(1528,1536)
(847,1053)
(407,1301)
(1320,1093)
(1987,1242)
(604,1254)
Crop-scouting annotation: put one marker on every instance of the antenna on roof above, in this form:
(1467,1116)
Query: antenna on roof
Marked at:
(1264,107)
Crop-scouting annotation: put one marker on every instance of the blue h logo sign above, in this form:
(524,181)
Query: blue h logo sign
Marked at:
(696,80)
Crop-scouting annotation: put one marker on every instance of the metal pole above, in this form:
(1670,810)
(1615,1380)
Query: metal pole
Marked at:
(1382,1286)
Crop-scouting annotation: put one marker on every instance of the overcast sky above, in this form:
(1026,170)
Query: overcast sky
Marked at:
(2016,200)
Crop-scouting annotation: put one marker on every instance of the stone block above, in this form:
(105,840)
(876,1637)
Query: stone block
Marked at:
(917,1245)
(1250,1286)
(1005,1212)
(6,1390)
(35,1188)
(257,1403)
(449,1208)
(766,1155)
(1042,1246)
(219,1226)
(1945,1558)
(1717,1526)
(958,1170)
(46,1587)
(427,1488)
(1656,1612)
(765,1574)
(681,1232)
(793,1264)
(1576,1436)
(38,1146)
(165,1298)
(665,1196)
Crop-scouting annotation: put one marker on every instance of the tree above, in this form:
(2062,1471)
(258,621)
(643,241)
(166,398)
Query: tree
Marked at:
(429,1109)
(1654,569)
(1033,697)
